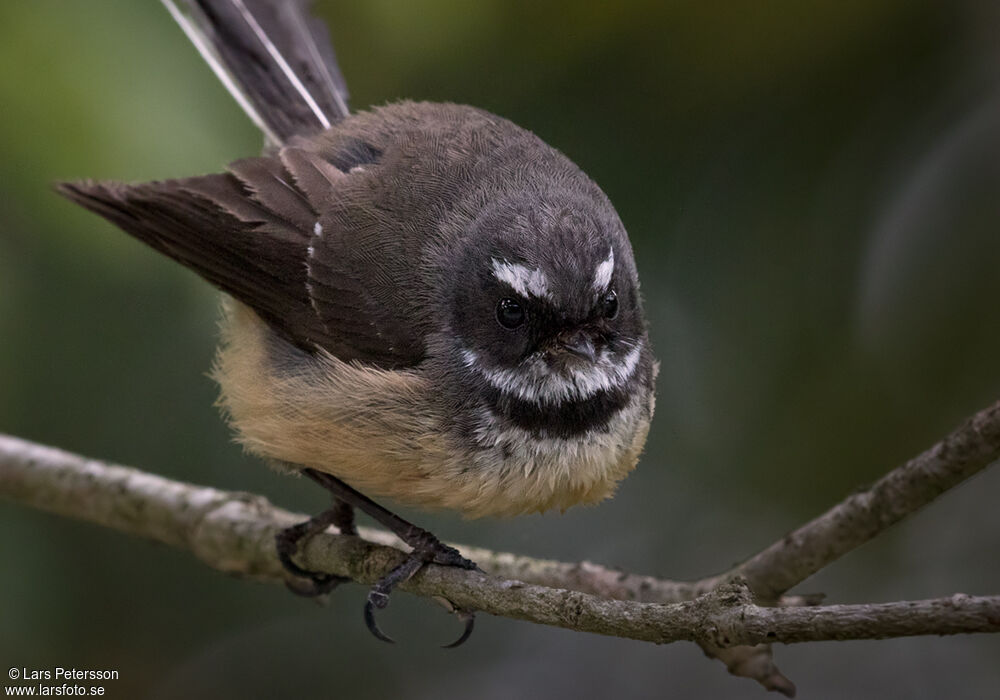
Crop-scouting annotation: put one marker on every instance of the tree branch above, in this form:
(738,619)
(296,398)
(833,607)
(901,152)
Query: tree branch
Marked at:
(234,533)
(183,516)
(974,445)
(849,524)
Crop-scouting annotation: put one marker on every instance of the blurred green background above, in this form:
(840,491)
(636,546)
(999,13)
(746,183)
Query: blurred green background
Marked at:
(813,194)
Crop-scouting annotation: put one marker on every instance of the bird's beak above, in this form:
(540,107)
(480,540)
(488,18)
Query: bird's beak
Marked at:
(579,344)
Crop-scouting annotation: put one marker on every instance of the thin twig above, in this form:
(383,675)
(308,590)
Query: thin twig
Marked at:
(849,524)
(974,445)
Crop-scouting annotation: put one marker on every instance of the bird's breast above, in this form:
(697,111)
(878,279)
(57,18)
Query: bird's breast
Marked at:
(386,433)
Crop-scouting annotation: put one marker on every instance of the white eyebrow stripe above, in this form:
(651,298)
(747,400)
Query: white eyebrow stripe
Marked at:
(602,276)
(523,280)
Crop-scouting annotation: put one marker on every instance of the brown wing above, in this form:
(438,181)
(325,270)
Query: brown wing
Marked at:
(255,233)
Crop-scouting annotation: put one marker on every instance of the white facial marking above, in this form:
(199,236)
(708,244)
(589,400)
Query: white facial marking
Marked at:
(602,276)
(318,229)
(470,358)
(523,280)
(535,381)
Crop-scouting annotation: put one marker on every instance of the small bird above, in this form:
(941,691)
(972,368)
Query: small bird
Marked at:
(426,303)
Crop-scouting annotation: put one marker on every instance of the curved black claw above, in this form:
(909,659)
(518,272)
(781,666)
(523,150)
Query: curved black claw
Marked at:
(376,600)
(378,596)
(469,618)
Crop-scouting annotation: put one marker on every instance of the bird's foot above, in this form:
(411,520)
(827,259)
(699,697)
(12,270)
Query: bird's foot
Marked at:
(287,543)
(426,549)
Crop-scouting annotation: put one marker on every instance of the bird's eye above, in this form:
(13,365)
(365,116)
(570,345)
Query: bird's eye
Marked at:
(609,304)
(510,313)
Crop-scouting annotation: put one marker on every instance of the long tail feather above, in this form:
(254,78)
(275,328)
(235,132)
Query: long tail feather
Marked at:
(273,57)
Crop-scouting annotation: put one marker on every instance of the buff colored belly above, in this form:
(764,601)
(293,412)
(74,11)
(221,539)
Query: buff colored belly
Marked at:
(377,431)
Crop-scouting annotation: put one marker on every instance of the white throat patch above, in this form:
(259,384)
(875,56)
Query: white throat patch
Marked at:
(523,280)
(602,276)
(535,381)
